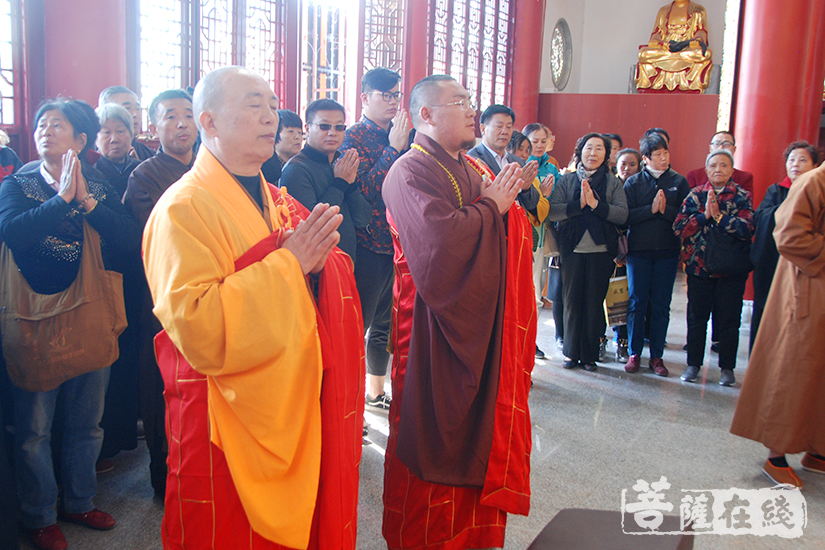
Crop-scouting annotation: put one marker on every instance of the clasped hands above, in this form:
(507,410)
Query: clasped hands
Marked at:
(659,202)
(712,206)
(72,184)
(314,238)
(588,197)
(505,188)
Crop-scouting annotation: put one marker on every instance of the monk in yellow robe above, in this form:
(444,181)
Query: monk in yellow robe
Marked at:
(252,332)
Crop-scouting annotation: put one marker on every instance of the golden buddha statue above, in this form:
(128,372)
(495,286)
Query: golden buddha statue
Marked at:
(677,56)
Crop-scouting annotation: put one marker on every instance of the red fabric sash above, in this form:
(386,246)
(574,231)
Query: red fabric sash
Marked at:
(418,514)
(202,506)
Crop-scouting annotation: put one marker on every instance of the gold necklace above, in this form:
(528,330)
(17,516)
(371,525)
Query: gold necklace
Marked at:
(417,147)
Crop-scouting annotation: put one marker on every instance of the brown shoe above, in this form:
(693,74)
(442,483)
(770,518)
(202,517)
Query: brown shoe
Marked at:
(48,538)
(813,464)
(781,475)
(93,519)
(632,364)
(658,366)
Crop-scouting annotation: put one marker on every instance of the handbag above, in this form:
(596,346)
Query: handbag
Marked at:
(621,250)
(50,338)
(726,254)
(551,245)
(617,301)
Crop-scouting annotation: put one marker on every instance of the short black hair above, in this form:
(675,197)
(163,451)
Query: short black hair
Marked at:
(422,93)
(728,132)
(516,141)
(175,93)
(616,137)
(651,143)
(535,127)
(80,115)
(659,131)
(287,119)
(629,151)
(324,104)
(492,110)
(812,151)
(585,138)
(379,79)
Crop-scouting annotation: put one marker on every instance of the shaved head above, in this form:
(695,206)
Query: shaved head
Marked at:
(211,89)
(426,92)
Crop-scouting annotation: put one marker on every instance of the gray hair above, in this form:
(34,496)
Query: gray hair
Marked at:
(424,93)
(719,152)
(106,95)
(113,111)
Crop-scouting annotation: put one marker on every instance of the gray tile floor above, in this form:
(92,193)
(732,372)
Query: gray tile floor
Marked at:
(594,435)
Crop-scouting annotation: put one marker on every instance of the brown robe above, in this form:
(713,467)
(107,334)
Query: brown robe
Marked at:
(148,182)
(782,402)
(457,259)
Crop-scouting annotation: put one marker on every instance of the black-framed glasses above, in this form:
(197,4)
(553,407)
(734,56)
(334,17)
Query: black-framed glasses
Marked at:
(325,127)
(464,104)
(387,96)
(721,143)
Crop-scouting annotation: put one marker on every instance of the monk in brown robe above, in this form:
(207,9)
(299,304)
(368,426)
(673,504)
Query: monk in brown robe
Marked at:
(782,402)
(458,453)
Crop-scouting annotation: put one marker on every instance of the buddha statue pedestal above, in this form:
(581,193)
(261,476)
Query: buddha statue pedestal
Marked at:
(677,58)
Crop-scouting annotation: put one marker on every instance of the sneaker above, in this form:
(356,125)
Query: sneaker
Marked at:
(727,378)
(539,353)
(93,519)
(382,402)
(48,538)
(691,374)
(603,349)
(632,364)
(657,366)
(813,464)
(781,475)
(621,350)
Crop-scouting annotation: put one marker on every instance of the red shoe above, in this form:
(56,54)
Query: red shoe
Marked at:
(93,519)
(632,364)
(813,464)
(48,538)
(658,366)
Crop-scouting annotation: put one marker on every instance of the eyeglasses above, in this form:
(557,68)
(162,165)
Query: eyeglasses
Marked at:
(721,143)
(387,96)
(324,127)
(464,104)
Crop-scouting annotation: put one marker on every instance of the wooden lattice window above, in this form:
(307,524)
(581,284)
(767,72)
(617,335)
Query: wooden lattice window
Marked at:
(472,41)
(383,34)
(322,51)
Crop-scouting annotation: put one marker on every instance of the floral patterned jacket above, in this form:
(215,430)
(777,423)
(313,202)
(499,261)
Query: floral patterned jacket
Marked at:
(692,225)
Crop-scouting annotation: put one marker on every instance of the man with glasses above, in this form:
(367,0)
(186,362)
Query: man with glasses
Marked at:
(457,458)
(322,174)
(722,140)
(378,138)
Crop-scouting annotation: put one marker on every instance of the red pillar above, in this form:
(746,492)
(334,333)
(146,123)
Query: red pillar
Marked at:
(526,65)
(416,48)
(779,84)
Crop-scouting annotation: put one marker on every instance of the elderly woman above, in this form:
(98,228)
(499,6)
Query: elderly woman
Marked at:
(800,157)
(589,204)
(722,207)
(41,221)
(654,197)
(114,141)
(781,404)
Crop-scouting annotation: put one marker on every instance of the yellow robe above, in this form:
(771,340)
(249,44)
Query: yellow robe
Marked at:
(252,333)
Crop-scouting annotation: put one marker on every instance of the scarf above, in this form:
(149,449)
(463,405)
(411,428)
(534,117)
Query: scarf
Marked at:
(598,183)
(655,173)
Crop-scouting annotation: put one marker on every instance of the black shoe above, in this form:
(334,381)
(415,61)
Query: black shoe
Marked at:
(590,367)
(569,364)
(539,353)
(691,374)
(381,403)
(727,378)
(714,347)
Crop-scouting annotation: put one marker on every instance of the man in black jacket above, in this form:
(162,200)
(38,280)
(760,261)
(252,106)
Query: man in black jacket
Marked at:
(654,196)
(322,174)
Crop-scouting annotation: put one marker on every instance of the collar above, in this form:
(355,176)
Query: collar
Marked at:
(315,155)
(50,181)
(501,160)
(374,126)
(728,188)
(786,183)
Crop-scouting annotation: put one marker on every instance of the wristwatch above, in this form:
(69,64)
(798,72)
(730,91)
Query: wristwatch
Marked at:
(718,217)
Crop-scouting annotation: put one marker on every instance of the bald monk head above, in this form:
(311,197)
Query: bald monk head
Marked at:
(237,115)
(442,110)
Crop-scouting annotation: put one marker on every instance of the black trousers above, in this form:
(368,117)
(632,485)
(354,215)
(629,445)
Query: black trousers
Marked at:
(585,278)
(722,297)
(555,292)
(374,275)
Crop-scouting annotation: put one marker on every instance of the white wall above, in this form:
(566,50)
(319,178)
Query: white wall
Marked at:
(606,37)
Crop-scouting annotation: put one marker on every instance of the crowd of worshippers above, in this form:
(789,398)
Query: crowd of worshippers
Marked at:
(200,297)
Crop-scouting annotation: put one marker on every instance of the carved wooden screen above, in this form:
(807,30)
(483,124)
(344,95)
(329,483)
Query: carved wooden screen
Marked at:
(322,51)
(383,34)
(472,40)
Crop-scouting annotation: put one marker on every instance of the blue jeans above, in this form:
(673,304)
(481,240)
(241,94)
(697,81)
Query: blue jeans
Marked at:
(81,401)
(650,278)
